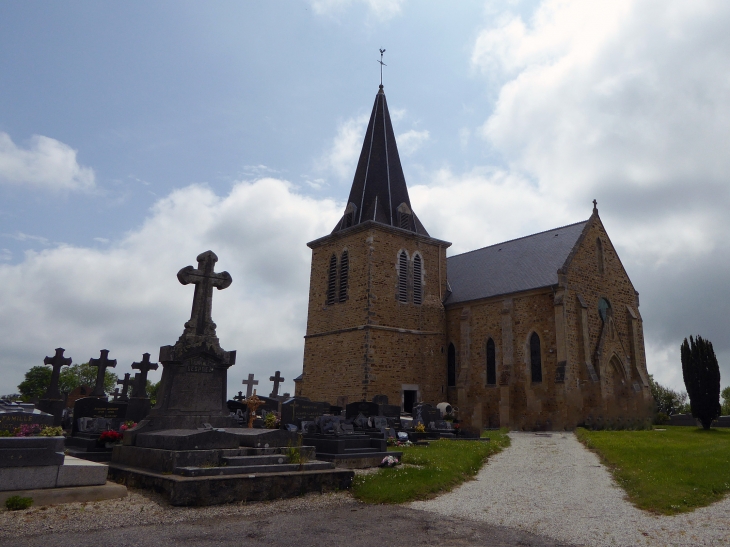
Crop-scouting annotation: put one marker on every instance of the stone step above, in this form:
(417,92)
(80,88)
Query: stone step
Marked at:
(360,450)
(251,469)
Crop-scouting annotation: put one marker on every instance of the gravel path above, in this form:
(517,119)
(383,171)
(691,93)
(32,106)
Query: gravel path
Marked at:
(551,485)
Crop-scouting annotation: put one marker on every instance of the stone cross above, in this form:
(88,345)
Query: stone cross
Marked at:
(277,379)
(239,397)
(125,387)
(57,361)
(116,393)
(139,388)
(205,279)
(249,384)
(102,363)
(253,403)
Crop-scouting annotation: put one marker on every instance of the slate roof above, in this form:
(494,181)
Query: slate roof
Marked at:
(379,186)
(526,263)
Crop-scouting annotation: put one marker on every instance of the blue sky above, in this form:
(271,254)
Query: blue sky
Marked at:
(134,136)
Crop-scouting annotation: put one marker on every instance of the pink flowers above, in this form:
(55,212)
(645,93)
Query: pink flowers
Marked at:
(28,430)
(389,461)
(128,425)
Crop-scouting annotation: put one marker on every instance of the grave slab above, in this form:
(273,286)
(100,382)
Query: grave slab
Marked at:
(74,494)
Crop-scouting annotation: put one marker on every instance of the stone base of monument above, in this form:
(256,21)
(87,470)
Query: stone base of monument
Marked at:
(86,447)
(351,451)
(213,466)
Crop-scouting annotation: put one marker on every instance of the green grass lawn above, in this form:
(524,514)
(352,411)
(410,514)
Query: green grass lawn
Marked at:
(666,472)
(441,466)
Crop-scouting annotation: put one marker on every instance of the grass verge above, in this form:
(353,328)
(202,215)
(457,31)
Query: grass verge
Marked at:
(440,467)
(666,472)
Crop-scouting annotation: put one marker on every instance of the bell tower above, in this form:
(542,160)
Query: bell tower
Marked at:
(376,320)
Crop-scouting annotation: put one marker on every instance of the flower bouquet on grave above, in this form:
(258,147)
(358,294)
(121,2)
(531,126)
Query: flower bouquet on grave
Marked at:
(389,461)
(109,438)
(27,430)
(127,425)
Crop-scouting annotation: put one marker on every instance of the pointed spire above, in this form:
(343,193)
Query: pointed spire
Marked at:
(379,190)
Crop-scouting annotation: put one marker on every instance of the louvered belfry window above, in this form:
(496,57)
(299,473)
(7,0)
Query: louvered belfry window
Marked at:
(403,277)
(404,221)
(344,270)
(332,281)
(535,358)
(491,363)
(417,288)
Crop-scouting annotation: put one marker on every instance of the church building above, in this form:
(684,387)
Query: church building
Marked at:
(541,332)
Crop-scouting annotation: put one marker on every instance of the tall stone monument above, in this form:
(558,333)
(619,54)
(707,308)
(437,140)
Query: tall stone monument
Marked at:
(193,388)
(52,401)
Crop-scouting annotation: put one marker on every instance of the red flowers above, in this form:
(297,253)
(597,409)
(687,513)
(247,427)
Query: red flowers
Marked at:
(110,437)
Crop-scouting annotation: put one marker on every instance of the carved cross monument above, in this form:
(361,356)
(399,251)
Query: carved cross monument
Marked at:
(125,387)
(102,363)
(193,389)
(253,403)
(249,384)
(57,361)
(139,388)
(205,279)
(277,379)
(239,397)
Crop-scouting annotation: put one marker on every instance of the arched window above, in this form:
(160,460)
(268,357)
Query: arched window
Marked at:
(417,280)
(403,277)
(332,280)
(535,358)
(491,363)
(451,366)
(344,270)
(599,255)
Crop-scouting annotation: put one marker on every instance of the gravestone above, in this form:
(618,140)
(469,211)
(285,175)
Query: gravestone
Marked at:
(139,402)
(425,414)
(249,384)
(277,379)
(294,410)
(380,399)
(52,401)
(363,407)
(14,415)
(95,407)
(194,371)
(101,364)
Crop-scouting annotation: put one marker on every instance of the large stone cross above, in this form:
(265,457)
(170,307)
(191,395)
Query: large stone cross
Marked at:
(139,388)
(205,279)
(57,361)
(102,363)
(277,379)
(249,384)
(125,387)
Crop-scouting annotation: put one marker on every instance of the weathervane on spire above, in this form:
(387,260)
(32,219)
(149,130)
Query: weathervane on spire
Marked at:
(382,64)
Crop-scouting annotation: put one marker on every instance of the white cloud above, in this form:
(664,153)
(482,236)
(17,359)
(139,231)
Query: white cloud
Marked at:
(20,236)
(126,298)
(46,163)
(382,10)
(6,255)
(410,141)
(341,157)
(627,102)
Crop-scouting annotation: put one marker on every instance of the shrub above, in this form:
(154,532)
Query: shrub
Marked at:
(17,503)
(51,431)
(702,379)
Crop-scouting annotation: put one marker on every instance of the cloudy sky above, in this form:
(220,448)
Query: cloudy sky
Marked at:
(135,136)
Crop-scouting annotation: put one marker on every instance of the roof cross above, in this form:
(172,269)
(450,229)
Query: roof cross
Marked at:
(102,363)
(139,389)
(249,384)
(57,361)
(382,64)
(205,279)
(277,379)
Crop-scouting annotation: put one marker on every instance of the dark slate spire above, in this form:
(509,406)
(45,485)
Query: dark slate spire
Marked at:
(379,189)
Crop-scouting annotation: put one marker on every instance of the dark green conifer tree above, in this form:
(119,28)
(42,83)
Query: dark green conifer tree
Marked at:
(702,379)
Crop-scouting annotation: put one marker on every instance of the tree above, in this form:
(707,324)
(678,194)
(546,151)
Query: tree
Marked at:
(152,388)
(84,375)
(36,382)
(702,379)
(668,401)
(725,408)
